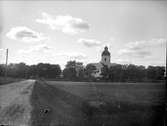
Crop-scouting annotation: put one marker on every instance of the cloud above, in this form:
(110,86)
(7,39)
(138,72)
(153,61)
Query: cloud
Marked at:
(141,49)
(98,44)
(135,53)
(66,24)
(73,55)
(35,49)
(1,49)
(89,42)
(3,52)
(123,61)
(46,54)
(25,34)
(143,44)
(44,50)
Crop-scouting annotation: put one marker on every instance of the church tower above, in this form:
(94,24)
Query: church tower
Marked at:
(105,57)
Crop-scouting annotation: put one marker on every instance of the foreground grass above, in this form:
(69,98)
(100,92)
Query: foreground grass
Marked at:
(119,104)
(7,80)
(82,104)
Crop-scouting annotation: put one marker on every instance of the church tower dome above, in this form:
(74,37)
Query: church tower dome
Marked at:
(105,57)
(105,52)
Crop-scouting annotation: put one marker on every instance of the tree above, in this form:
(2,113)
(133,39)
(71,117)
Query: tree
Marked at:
(105,72)
(74,71)
(33,71)
(2,70)
(160,73)
(141,73)
(155,73)
(116,73)
(54,71)
(90,68)
(22,70)
(19,70)
(48,70)
(151,73)
(132,72)
(81,74)
(80,71)
(69,73)
(71,64)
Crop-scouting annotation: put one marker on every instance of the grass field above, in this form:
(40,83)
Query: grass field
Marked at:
(58,103)
(7,80)
(119,104)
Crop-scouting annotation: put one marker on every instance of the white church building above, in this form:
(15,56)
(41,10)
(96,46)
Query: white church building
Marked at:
(105,60)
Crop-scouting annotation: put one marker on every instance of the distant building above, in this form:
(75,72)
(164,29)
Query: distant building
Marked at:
(105,60)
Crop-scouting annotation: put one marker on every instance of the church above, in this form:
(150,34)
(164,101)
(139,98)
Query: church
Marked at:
(105,60)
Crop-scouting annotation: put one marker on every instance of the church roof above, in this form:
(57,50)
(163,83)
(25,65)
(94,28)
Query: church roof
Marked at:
(105,52)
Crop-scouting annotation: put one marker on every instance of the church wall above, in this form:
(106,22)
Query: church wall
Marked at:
(106,60)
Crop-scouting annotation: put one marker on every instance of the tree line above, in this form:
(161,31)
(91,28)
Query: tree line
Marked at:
(76,71)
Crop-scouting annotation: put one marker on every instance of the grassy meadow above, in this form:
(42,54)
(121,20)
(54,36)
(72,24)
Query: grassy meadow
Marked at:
(8,80)
(119,104)
(62,103)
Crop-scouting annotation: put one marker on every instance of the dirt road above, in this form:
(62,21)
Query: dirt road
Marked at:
(36,103)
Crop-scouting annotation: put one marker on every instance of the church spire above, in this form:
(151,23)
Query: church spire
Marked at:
(105,52)
(105,57)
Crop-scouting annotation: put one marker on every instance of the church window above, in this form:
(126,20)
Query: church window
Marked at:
(105,59)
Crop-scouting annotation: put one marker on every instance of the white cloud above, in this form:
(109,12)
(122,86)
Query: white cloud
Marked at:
(144,43)
(135,53)
(141,49)
(25,34)
(45,49)
(89,42)
(2,56)
(73,55)
(123,61)
(113,39)
(45,53)
(2,49)
(35,49)
(66,24)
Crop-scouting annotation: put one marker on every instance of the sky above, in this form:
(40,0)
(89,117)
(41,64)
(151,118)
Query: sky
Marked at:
(58,31)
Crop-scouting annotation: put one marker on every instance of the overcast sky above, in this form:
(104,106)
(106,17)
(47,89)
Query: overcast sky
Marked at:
(55,32)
